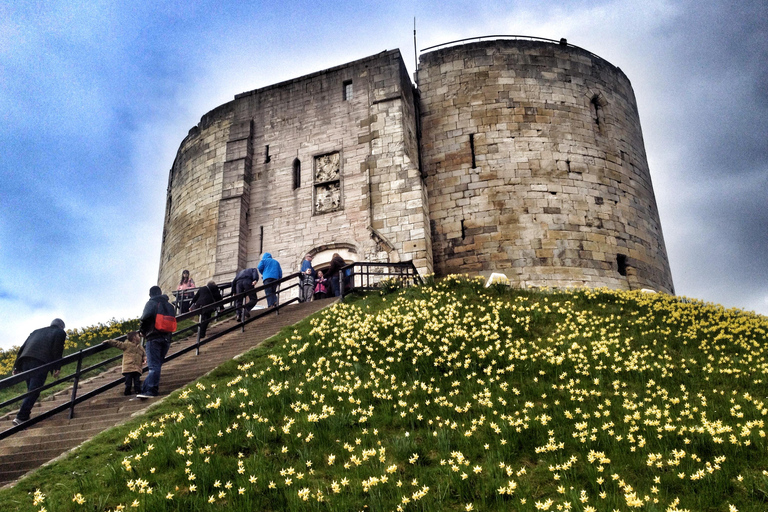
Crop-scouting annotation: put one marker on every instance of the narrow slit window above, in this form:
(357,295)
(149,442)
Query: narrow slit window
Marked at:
(267,158)
(472,148)
(598,114)
(347,90)
(296,174)
(621,263)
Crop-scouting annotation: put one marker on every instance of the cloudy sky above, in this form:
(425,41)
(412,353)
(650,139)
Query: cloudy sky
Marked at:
(96,96)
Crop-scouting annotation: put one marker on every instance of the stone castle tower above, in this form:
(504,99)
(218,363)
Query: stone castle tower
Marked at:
(518,156)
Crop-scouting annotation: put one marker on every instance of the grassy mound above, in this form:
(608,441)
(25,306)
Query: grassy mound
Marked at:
(453,397)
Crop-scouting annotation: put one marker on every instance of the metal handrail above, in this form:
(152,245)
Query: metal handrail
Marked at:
(190,292)
(364,276)
(368,276)
(220,308)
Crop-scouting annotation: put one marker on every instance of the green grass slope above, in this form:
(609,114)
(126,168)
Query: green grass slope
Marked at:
(453,397)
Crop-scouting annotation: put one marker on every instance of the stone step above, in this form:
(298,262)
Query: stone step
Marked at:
(52,437)
(36,437)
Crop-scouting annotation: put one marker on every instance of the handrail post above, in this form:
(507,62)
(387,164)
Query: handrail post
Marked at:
(199,321)
(74,385)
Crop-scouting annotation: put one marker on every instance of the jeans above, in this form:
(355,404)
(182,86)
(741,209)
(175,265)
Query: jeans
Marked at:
(132,379)
(34,382)
(156,348)
(270,292)
(335,285)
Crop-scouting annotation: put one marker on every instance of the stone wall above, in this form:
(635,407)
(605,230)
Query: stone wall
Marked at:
(192,204)
(513,156)
(326,162)
(536,167)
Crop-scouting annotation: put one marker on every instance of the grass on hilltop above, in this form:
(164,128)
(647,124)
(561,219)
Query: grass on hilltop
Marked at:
(452,397)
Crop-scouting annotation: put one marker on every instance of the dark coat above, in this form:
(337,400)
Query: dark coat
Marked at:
(249,275)
(206,295)
(154,305)
(336,263)
(45,345)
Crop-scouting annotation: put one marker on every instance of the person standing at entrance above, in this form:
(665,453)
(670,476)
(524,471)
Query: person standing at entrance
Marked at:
(306,279)
(43,346)
(334,273)
(158,342)
(270,271)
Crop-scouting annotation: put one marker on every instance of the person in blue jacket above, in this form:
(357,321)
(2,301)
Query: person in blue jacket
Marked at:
(270,272)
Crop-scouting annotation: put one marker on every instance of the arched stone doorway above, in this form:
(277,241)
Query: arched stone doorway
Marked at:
(321,256)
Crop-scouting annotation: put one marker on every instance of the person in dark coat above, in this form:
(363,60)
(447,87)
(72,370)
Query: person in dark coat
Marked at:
(43,346)
(333,273)
(158,342)
(205,296)
(271,271)
(245,280)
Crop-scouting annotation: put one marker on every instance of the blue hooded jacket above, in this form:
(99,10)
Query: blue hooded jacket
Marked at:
(269,267)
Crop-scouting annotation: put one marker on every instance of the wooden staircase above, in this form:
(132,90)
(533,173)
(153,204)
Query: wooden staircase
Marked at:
(42,443)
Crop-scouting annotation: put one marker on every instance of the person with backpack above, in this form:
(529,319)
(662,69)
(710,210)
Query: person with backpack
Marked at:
(158,322)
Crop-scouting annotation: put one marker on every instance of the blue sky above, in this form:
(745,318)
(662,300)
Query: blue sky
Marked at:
(95,98)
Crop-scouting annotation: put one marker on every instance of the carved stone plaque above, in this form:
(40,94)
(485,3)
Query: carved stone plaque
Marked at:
(327,197)
(327,167)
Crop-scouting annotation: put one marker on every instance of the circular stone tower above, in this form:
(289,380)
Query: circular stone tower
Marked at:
(535,167)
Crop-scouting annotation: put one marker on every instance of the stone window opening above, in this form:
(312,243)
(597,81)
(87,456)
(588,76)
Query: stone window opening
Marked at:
(463,230)
(598,111)
(267,158)
(296,173)
(347,90)
(327,183)
(621,263)
(472,148)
